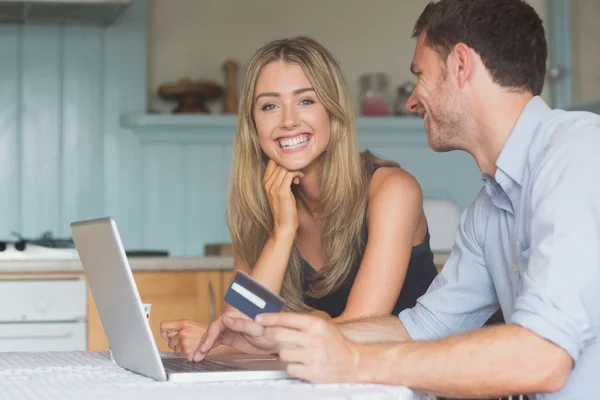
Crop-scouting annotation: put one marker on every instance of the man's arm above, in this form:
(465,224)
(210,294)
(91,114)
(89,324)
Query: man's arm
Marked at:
(490,362)
(374,329)
(558,295)
(462,297)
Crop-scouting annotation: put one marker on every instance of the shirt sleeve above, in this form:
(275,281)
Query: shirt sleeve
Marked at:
(559,291)
(462,296)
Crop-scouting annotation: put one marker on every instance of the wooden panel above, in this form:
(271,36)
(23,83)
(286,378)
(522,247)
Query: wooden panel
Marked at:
(10,101)
(173,295)
(41,129)
(82,145)
(226,277)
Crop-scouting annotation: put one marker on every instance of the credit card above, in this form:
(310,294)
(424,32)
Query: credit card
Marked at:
(250,297)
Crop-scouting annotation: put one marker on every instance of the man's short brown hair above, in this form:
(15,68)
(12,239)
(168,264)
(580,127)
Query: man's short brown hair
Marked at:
(508,35)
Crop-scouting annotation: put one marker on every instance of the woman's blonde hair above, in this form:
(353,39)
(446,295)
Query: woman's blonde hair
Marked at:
(344,182)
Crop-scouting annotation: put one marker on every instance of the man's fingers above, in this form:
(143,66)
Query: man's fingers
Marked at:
(294,356)
(212,333)
(290,320)
(288,338)
(244,326)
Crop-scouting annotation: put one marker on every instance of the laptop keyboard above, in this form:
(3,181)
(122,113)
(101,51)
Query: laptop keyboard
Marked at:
(183,365)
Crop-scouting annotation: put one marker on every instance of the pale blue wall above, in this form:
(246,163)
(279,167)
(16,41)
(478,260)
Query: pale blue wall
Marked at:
(63,155)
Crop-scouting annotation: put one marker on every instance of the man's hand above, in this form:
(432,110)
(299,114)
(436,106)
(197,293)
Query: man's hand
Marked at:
(314,348)
(235,330)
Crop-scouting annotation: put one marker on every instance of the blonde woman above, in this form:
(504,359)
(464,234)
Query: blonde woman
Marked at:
(310,217)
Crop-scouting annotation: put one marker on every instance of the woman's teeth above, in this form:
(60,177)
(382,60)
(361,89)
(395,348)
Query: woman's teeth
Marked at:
(293,143)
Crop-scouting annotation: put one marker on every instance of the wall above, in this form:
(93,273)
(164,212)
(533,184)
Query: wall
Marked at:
(63,155)
(586,54)
(193,38)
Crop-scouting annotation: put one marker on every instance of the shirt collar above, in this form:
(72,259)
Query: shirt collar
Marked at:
(513,156)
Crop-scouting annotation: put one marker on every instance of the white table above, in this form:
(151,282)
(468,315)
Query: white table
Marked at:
(91,375)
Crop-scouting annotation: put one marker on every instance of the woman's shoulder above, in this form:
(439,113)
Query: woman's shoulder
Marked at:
(394,182)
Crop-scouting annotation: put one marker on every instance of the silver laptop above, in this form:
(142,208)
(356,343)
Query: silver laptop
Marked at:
(118,301)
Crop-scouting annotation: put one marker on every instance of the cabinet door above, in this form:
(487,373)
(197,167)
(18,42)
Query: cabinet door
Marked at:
(173,295)
(226,277)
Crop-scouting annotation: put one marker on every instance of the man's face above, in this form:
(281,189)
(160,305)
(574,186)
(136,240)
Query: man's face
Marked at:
(436,99)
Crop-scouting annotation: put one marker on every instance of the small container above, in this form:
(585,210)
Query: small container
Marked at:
(374,94)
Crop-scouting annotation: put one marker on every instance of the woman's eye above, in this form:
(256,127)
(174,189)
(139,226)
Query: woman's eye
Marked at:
(267,107)
(307,102)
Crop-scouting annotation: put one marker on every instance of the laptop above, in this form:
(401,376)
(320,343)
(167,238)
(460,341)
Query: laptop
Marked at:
(119,305)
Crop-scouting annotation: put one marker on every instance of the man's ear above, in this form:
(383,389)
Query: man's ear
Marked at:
(462,64)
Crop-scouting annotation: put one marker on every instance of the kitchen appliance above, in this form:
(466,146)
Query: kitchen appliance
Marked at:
(45,247)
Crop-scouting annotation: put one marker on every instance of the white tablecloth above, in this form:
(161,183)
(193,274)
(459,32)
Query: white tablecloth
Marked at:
(91,375)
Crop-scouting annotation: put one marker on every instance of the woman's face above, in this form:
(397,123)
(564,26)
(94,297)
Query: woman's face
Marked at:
(292,123)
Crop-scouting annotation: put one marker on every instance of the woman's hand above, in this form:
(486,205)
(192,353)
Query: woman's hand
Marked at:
(277,183)
(183,335)
(235,330)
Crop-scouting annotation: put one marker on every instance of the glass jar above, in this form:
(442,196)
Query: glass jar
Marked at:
(374,94)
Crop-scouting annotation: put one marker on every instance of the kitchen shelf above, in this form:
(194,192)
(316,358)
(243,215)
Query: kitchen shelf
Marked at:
(214,128)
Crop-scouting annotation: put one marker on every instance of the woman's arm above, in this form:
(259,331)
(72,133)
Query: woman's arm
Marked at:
(395,219)
(272,262)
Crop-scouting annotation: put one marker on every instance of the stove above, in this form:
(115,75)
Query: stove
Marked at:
(45,247)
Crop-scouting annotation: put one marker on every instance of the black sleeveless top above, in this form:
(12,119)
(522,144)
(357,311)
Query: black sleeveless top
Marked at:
(421,271)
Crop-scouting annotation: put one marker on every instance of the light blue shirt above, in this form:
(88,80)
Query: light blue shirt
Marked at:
(530,244)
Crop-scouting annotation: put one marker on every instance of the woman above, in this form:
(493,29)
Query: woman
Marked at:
(310,217)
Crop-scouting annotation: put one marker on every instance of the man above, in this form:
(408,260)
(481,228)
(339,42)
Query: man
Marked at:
(529,243)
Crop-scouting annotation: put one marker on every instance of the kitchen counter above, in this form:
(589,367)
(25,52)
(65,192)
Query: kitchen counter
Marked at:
(211,263)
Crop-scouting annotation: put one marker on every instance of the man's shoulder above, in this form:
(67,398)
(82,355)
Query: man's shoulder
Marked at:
(569,126)
(577,131)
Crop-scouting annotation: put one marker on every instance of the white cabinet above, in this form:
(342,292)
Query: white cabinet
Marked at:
(43,315)
(60,336)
